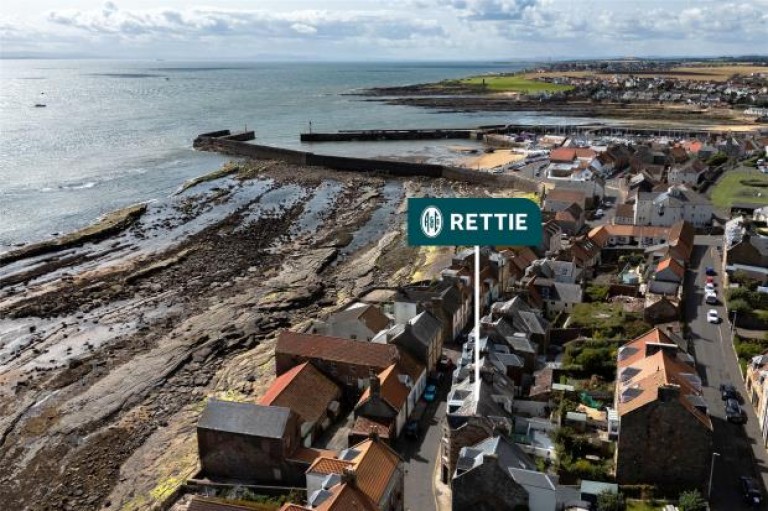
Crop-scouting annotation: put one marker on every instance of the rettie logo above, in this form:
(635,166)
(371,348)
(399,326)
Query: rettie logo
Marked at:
(431,222)
(473,221)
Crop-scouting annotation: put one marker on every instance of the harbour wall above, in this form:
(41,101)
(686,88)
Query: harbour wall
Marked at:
(227,145)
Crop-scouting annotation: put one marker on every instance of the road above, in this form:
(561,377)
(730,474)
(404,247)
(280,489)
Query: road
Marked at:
(421,456)
(740,448)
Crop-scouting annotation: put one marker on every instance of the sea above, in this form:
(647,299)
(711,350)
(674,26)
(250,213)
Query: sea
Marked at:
(114,133)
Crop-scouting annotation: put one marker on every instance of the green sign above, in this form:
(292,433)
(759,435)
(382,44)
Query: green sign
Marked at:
(474,221)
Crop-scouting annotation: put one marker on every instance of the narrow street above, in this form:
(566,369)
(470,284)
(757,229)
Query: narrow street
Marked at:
(421,455)
(740,447)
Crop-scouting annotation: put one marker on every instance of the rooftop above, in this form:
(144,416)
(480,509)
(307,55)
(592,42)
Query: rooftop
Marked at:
(244,418)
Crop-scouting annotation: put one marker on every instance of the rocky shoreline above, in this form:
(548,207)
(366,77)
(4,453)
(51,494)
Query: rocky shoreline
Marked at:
(109,347)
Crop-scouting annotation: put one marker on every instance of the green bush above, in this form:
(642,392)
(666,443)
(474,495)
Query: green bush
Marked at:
(691,501)
(597,293)
(609,501)
(717,159)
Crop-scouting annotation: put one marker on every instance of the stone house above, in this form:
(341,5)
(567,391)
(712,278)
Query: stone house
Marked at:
(385,402)
(673,205)
(497,474)
(571,219)
(688,173)
(560,199)
(667,277)
(551,239)
(249,443)
(757,391)
(310,394)
(625,214)
(421,336)
(359,321)
(371,468)
(665,433)
(349,363)
(520,317)
(448,300)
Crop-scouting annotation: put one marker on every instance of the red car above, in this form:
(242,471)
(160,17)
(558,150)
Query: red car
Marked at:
(710,280)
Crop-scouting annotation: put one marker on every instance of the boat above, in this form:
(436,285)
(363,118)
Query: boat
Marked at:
(40,105)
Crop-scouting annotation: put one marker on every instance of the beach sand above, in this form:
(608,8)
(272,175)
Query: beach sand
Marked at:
(494,159)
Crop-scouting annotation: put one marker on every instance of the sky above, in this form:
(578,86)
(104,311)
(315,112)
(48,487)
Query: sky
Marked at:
(363,30)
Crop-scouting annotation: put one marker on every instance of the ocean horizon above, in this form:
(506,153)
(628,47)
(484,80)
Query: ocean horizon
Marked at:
(115,132)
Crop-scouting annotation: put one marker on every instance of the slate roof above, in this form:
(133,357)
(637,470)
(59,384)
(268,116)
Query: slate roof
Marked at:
(335,349)
(303,389)
(368,314)
(244,418)
(507,455)
(421,329)
(524,318)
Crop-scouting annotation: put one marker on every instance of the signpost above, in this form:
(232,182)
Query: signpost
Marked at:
(474,222)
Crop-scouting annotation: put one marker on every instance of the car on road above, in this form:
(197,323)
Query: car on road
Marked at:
(713,317)
(412,429)
(734,413)
(751,491)
(710,271)
(728,391)
(711,298)
(430,393)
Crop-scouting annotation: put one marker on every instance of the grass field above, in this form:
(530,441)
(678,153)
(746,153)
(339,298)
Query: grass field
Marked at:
(701,73)
(732,188)
(515,83)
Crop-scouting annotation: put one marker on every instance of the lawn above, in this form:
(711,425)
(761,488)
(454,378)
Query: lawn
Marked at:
(739,186)
(641,505)
(515,83)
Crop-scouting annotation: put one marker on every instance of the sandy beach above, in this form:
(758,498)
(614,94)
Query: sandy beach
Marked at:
(491,160)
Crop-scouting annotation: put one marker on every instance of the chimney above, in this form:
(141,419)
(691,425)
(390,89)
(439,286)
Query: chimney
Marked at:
(349,476)
(375,386)
(668,393)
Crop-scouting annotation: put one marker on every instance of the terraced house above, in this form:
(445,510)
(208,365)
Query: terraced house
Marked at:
(665,433)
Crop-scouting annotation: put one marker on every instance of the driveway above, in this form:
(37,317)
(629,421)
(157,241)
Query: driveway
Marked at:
(740,446)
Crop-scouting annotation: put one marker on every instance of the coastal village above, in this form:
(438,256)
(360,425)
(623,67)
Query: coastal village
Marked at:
(265,339)
(591,395)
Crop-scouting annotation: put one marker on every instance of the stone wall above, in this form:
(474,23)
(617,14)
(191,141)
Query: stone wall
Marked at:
(664,444)
(487,487)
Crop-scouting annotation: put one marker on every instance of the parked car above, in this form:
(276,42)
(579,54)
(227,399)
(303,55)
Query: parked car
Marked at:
(412,429)
(710,280)
(599,213)
(711,298)
(709,287)
(751,491)
(710,271)
(430,393)
(734,413)
(713,317)
(728,391)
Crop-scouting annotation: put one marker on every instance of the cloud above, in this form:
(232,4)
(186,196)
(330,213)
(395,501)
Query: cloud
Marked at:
(495,10)
(207,22)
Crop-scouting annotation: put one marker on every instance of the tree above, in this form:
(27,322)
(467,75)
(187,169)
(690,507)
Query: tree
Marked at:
(740,306)
(717,159)
(609,501)
(691,501)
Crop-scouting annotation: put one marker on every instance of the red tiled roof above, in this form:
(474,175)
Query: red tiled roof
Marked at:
(364,426)
(303,389)
(335,349)
(347,497)
(209,504)
(328,465)
(393,391)
(562,154)
(673,265)
(310,454)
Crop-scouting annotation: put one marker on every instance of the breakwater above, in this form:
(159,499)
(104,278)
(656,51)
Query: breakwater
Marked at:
(224,142)
(383,135)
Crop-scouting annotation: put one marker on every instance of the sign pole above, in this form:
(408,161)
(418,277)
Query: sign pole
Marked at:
(477,323)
